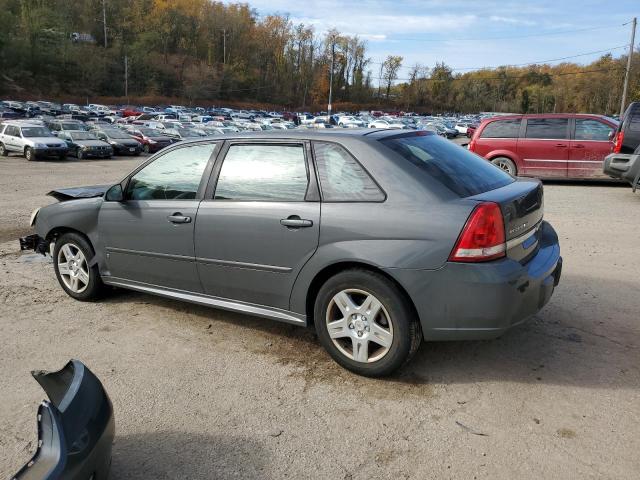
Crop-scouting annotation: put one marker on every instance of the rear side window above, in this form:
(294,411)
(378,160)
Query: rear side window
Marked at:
(501,129)
(547,128)
(634,121)
(268,173)
(342,178)
(461,171)
(593,130)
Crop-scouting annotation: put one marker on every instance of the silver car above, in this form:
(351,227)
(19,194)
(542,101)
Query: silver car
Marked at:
(32,140)
(378,239)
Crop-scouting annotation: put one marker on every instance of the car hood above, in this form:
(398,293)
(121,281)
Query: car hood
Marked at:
(91,143)
(91,191)
(50,140)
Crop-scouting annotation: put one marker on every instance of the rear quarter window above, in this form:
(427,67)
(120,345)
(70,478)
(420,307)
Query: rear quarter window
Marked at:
(459,170)
(501,129)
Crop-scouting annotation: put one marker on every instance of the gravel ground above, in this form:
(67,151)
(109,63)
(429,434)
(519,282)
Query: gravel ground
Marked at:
(201,393)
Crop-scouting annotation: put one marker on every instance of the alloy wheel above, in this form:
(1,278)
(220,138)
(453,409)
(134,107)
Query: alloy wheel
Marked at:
(73,268)
(359,325)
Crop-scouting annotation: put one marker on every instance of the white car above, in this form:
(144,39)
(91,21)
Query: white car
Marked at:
(350,122)
(461,128)
(32,140)
(384,124)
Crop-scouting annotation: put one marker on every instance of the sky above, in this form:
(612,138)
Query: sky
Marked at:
(470,34)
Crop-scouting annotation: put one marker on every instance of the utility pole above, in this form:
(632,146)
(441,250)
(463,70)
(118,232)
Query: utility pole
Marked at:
(224,45)
(104,21)
(333,54)
(126,78)
(627,73)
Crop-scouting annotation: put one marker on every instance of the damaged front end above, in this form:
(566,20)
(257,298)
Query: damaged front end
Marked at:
(34,242)
(76,427)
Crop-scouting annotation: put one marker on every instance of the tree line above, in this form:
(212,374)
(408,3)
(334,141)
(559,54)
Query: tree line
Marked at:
(207,52)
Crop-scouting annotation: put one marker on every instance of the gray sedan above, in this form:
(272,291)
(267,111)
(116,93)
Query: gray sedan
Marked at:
(378,239)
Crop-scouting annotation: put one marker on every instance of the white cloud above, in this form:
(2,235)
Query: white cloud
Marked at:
(511,20)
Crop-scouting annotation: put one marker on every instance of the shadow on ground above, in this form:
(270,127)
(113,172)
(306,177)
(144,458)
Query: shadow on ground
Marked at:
(172,455)
(590,342)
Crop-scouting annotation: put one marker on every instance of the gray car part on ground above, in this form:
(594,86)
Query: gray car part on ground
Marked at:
(76,427)
(624,166)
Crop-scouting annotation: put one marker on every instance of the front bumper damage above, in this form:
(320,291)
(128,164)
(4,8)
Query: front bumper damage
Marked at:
(76,427)
(34,242)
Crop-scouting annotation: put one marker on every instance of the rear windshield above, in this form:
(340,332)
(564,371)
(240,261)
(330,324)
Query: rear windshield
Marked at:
(461,171)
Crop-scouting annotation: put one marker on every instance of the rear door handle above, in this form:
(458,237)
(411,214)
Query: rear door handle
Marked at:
(179,218)
(294,221)
(578,146)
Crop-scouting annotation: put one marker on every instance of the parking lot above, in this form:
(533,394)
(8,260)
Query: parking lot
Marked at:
(202,393)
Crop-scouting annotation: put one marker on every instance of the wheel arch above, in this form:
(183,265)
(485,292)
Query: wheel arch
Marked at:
(57,232)
(330,270)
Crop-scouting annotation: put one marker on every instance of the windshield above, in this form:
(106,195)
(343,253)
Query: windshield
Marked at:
(35,132)
(83,136)
(461,171)
(116,134)
(72,126)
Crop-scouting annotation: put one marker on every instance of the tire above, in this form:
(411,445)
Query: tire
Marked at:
(3,150)
(79,154)
(29,154)
(403,333)
(506,164)
(146,149)
(89,288)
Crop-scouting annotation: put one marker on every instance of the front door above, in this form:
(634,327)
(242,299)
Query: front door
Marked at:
(148,237)
(591,143)
(255,233)
(544,147)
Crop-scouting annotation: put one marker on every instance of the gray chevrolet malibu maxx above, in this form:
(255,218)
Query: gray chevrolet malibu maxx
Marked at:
(377,239)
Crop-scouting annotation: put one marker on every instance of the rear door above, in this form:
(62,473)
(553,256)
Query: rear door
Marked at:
(259,222)
(544,147)
(591,142)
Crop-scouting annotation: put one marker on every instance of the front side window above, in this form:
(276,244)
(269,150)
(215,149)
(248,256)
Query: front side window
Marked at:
(342,178)
(176,175)
(269,173)
(547,128)
(502,129)
(592,130)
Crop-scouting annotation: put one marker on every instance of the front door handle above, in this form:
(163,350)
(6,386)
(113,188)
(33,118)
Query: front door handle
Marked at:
(294,221)
(578,146)
(561,145)
(179,218)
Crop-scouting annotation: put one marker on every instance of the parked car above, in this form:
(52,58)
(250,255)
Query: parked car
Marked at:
(85,144)
(32,140)
(546,145)
(152,140)
(63,125)
(379,123)
(121,142)
(179,134)
(245,223)
(627,136)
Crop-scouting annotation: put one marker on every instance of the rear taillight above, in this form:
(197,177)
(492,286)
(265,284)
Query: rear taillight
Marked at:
(482,237)
(617,145)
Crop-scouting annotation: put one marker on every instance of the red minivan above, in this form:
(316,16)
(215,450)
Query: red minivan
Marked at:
(546,145)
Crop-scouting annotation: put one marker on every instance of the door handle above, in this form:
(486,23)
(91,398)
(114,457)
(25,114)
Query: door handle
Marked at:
(179,218)
(561,145)
(294,221)
(578,146)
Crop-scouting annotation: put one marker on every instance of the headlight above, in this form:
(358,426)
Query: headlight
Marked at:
(40,145)
(85,147)
(34,214)
(152,142)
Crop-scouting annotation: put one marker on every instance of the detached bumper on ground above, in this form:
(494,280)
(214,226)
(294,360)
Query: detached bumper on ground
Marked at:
(34,242)
(464,301)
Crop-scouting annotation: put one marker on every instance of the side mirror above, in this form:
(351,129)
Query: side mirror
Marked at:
(114,194)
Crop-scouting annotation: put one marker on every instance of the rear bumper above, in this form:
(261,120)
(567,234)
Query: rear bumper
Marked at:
(464,301)
(623,166)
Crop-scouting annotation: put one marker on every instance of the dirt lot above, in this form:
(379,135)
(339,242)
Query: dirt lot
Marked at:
(201,393)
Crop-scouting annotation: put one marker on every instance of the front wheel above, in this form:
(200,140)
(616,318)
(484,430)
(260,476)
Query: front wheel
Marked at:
(79,154)
(29,154)
(72,255)
(506,164)
(146,149)
(365,323)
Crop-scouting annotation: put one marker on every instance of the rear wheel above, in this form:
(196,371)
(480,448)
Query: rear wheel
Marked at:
(3,150)
(365,323)
(29,154)
(506,164)
(72,255)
